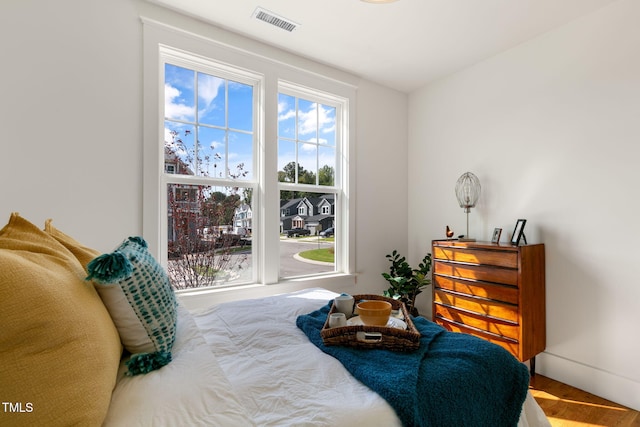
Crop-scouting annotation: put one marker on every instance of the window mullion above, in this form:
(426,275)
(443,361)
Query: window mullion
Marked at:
(226,127)
(196,128)
(317,159)
(269,210)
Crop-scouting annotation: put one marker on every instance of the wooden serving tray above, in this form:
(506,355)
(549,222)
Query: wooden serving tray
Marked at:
(367,336)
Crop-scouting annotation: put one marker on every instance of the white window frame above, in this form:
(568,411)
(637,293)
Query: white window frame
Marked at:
(276,75)
(340,187)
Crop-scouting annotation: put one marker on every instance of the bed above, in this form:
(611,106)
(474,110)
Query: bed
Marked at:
(247,363)
(244,363)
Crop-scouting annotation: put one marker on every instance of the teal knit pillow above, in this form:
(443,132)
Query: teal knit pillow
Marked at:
(138,295)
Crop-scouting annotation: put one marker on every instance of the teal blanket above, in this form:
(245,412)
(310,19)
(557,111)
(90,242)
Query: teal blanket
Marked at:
(452,379)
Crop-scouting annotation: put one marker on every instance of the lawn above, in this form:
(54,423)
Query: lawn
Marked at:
(324,255)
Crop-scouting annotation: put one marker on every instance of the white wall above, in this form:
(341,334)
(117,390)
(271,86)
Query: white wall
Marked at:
(551,129)
(382,187)
(71,115)
(71,118)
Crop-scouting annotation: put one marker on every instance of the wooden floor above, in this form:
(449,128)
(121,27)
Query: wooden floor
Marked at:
(566,406)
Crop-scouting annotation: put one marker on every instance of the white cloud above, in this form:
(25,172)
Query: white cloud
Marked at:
(285,115)
(282,106)
(208,88)
(172,106)
(309,147)
(310,121)
(316,119)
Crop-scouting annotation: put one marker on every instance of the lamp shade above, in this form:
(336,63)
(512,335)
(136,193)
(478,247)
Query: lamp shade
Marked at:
(468,191)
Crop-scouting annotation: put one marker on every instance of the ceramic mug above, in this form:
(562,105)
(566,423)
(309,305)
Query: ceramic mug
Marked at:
(337,320)
(344,304)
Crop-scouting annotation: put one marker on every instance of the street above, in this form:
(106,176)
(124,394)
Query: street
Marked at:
(290,264)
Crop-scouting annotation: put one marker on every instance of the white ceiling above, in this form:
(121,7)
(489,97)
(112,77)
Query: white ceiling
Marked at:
(404,44)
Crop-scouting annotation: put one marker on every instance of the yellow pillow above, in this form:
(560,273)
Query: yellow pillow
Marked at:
(82,253)
(59,348)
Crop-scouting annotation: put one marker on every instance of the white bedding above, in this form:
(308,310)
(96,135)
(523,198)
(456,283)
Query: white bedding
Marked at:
(192,390)
(246,363)
(283,379)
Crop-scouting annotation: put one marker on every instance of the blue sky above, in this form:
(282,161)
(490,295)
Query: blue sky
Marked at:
(316,139)
(316,124)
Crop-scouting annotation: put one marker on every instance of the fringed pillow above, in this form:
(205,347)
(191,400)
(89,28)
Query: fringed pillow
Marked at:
(137,292)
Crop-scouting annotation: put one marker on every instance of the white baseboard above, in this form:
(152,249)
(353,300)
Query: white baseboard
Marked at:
(623,391)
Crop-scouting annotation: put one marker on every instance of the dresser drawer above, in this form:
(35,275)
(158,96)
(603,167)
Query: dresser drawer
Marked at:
(497,327)
(512,346)
(478,306)
(477,256)
(478,289)
(485,273)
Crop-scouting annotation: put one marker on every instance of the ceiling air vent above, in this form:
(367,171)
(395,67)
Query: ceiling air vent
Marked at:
(273,19)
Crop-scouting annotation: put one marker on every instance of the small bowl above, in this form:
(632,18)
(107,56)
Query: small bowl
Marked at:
(374,313)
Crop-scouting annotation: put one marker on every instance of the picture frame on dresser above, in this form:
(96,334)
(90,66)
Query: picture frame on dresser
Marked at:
(518,232)
(496,235)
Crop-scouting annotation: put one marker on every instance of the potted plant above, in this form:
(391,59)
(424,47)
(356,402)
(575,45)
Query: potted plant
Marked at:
(406,282)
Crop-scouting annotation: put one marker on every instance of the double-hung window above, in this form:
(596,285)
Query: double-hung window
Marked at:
(309,174)
(246,163)
(209,144)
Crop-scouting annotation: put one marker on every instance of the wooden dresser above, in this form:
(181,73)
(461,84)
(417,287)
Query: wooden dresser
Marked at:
(493,291)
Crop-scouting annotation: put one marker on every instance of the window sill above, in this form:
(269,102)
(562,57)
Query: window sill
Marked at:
(198,299)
